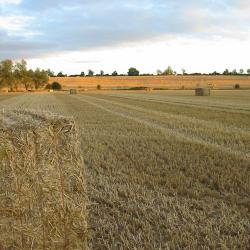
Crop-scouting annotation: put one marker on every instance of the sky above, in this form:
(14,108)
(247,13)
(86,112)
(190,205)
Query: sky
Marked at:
(76,35)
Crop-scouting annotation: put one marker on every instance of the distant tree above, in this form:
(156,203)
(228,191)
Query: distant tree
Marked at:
(146,74)
(241,71)
(50,73)
(226,72)
(30,84)
(15,81)
(133,72)
(158,72)
(115,73)
(248,71)
(102,73)
(82,74)
(183,71)
(60,74)
(215,73)
(56,86)
(7,74)
(90,72)
(168,71)
(40,78)
(22,75)
(234,72)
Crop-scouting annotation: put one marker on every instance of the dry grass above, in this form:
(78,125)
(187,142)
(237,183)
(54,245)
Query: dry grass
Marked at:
(168,82)
(164,170)
(43,194)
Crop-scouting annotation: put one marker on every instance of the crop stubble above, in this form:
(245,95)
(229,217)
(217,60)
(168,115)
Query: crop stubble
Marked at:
(163,170)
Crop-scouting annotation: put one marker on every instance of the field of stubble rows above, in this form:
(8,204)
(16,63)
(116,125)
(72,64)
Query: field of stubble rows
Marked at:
(165,170)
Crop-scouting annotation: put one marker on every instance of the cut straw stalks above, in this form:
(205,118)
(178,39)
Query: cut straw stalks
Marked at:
(42,187)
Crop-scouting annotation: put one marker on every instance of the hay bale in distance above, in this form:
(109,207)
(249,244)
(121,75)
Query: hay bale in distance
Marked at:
(148,89)
(202,92)
(73,91)
(43,193)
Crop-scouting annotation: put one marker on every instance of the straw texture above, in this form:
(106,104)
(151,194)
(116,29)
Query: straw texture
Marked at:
(42,186)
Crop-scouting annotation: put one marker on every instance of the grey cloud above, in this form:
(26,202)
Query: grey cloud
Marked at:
(84,24)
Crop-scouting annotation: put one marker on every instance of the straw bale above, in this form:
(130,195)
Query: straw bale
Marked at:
(73,91)
(202,92)
(42,186)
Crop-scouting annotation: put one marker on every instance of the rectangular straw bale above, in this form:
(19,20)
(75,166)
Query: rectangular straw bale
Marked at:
(202,92)
(73,91)
(42,187)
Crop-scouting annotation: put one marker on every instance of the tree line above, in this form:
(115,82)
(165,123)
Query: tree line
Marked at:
(14,75)
(135,72)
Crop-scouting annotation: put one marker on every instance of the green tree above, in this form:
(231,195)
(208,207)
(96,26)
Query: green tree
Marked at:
(82,74)
(115,73)
(168,71)
(215,73)
(50,73)
(133,72)
(91,72)
(241,71)
(60,74)
(158,72)
(22,75)
(40,78)
(56,86)
(248,71)
(31,75)
(234,72)
(7,75)
(226,72)
(102,73)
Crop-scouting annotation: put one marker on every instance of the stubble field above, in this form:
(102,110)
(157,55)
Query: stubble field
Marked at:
(164,170)
(165,82)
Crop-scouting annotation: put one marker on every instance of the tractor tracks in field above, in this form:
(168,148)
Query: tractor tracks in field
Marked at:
(185,103)
(153,124)
(178,118)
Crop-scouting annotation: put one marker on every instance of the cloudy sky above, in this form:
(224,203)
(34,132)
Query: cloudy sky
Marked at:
(76,35)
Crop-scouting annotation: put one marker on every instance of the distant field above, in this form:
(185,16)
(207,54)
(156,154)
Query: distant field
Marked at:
(169,82)
(164,169)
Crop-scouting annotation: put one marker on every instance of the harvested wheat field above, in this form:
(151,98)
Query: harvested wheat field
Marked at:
(163,170)
(164,82)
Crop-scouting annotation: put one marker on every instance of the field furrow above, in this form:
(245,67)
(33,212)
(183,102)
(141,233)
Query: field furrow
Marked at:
(228,140)
(232,106)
